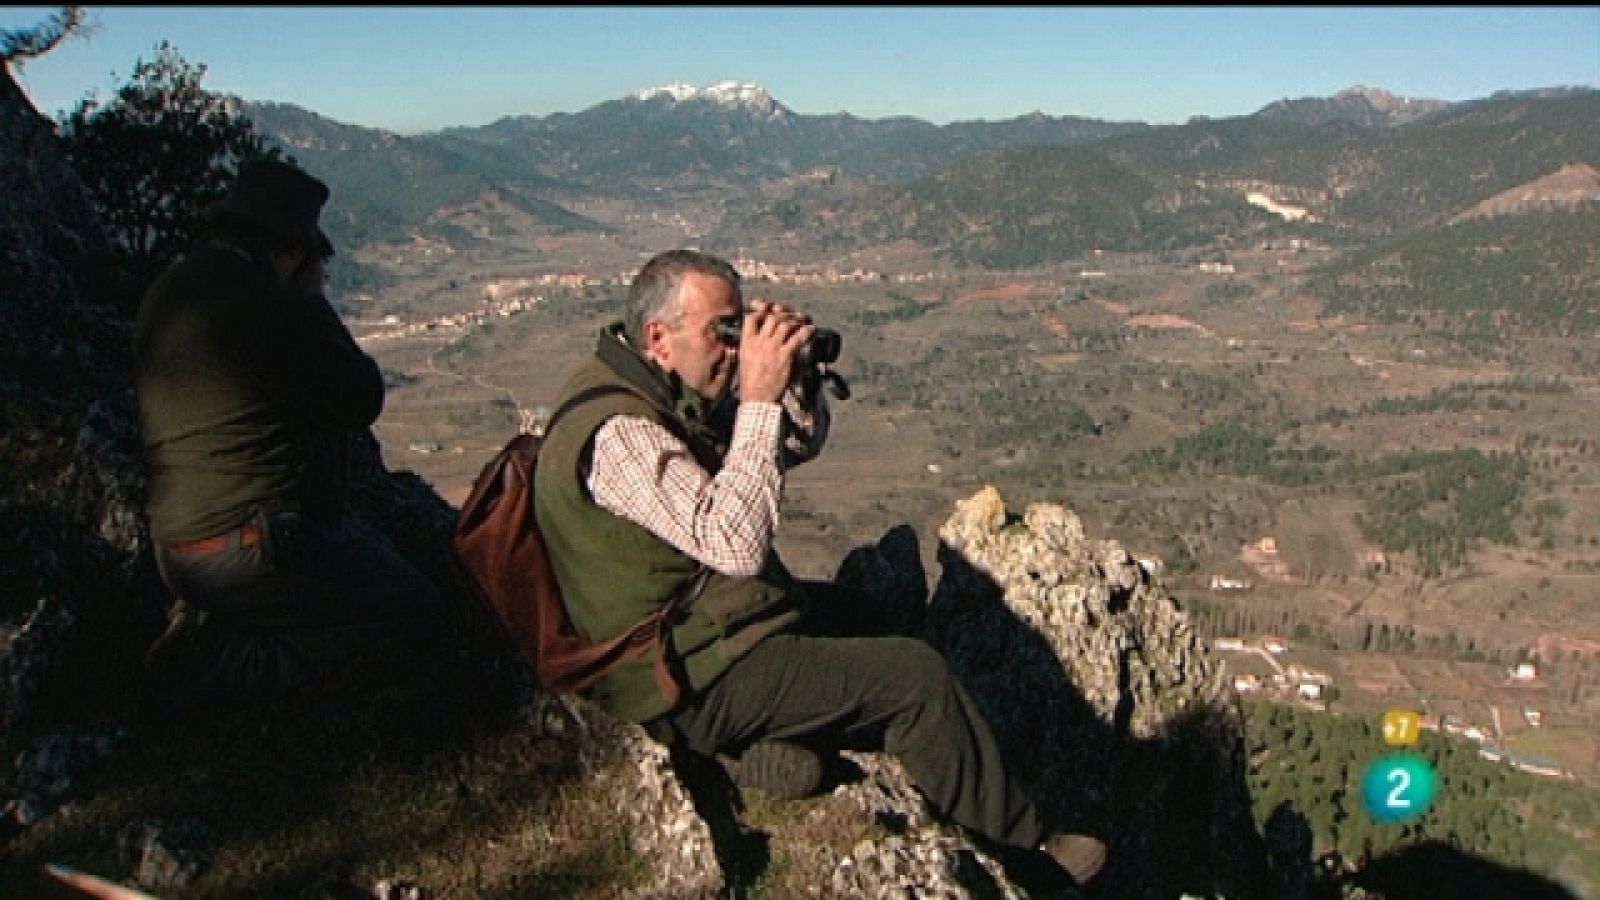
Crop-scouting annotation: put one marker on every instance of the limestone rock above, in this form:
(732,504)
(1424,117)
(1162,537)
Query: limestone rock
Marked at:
(917,866)
(165,855)
(664,825)
(50,768)
(1100,691)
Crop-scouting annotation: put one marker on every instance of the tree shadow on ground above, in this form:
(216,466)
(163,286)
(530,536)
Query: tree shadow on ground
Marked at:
(1434,870)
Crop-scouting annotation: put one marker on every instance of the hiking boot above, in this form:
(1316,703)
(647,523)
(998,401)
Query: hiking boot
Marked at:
(1080,855)
(780,769)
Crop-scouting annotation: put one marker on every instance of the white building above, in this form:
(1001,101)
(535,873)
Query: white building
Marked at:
(1219,583)
(1309,676)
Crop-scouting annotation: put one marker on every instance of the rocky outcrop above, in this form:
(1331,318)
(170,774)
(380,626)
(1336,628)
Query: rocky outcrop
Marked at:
(63,353)
(1094,682)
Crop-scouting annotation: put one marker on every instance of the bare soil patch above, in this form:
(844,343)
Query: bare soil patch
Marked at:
(1016,290)
(1164,320)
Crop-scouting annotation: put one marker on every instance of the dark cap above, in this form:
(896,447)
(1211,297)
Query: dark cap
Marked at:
(279,199)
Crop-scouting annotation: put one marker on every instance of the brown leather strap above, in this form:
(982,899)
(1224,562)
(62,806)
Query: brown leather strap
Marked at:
(668,680)
(248,535)
(583,668)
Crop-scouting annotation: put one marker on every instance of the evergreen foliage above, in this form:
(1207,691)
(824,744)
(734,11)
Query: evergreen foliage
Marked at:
(1232,449)
(1381,180)
(1446,502)
(1462,396)
(19,45)
(156,157)
(1039,204)
(1250,148)
(1483,808)
(1439,165)
(1532,271)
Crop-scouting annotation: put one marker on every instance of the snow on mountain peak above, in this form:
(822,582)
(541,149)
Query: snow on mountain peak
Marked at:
(726,94)
(739,93)
(677,92)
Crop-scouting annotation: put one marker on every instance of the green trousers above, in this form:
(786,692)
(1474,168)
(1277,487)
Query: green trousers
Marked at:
(877,693)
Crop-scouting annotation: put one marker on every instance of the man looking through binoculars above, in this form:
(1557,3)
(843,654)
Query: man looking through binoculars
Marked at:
(659,484)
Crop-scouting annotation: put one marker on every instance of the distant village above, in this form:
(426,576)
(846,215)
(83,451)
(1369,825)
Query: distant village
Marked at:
(509,296)
(1308,687)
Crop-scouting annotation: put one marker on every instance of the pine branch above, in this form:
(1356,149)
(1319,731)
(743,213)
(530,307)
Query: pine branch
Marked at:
(30,43)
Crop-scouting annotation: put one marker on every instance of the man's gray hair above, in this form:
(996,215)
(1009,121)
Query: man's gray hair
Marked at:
(654,293)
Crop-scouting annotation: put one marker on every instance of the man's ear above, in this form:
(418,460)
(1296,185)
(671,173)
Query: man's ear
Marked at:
(286,262)
(655,340)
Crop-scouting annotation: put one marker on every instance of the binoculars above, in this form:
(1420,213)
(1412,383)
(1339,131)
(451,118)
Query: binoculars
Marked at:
(822,350)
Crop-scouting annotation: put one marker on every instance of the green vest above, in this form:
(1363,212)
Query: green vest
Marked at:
(248,392)
(613,572)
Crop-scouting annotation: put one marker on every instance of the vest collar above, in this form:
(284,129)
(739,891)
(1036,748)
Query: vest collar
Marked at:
(661,387)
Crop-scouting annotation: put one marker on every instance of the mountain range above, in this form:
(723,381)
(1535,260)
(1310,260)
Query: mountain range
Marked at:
(1366,163)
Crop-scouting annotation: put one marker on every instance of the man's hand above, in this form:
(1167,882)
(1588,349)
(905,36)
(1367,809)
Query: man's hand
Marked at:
(773,335)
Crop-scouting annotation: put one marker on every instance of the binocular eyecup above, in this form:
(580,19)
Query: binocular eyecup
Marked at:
(821,350)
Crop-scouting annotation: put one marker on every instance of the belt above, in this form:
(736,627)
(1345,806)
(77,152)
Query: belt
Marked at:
(247,535)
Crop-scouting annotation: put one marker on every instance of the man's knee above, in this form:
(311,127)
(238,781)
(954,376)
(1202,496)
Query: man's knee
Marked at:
(913,665)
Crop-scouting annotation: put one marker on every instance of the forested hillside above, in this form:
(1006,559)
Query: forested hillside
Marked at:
(1495,275)
(1034,205)
(387,187)
(1521,821)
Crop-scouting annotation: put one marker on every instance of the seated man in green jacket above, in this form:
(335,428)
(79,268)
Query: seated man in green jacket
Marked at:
(249,389)
(654,479)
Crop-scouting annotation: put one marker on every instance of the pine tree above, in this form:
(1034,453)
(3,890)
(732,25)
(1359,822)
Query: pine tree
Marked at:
(155,158)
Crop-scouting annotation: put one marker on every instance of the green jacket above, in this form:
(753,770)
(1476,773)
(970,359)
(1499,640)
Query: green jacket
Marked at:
(247,393)
(613,572)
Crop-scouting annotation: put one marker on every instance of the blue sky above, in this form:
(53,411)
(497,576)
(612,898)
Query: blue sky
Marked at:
(411,69)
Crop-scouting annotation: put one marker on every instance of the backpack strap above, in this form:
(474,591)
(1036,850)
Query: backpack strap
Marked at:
(582,397)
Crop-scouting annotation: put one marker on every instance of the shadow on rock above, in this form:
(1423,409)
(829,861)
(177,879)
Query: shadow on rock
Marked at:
(1102,696)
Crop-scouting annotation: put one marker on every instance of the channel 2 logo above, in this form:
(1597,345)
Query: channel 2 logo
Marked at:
(1399,786)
